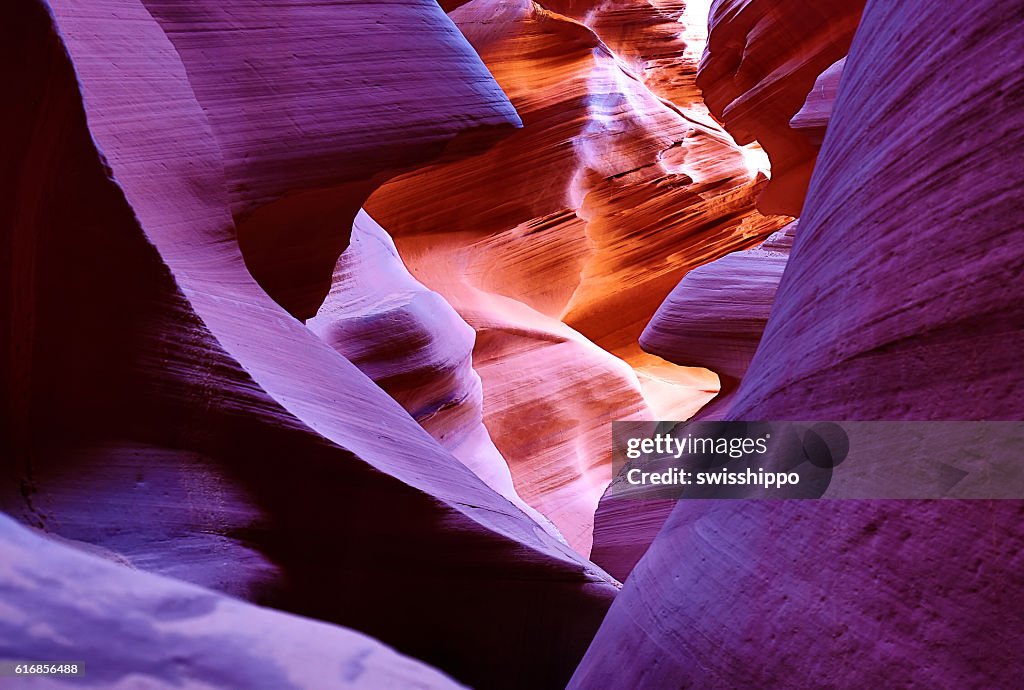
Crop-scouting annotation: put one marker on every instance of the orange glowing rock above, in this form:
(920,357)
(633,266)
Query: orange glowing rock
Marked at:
(559,243)
(760,63)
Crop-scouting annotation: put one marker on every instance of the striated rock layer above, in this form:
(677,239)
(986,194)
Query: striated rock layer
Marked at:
(887,310)
(159,405)
(314,103)
(131,629)
(559,243)
(835,594)
(814,115)
(761,61)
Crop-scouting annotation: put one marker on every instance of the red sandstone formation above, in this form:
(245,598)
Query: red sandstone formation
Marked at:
(761,60)
(159,404)
(180,185)
(659,42)
(715,317)
(141,630)
(880,315)
(558,244)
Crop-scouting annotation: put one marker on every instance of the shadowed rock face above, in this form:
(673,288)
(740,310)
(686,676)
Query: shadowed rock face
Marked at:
(127,628)
(770,594)
(887,310)
(558,244)
(928,288)
(314,103)
(715,317)
(158,404)
(761,61)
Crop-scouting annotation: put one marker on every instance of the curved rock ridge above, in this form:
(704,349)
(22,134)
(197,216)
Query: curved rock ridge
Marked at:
(761,60)
(587,217)
(158,404)
(715,317)
(879,304)
(414,346)
(813,117)
(904,297)
(131,629)
(313,103)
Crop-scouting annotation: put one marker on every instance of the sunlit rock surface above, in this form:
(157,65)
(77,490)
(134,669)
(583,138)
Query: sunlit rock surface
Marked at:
(900,301)
(761,61)
(130,629)
(559,243)
(158,404)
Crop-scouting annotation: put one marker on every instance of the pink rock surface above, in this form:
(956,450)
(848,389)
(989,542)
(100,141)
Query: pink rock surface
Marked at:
(813,117)
(921,317)
(887,310)
(558,243)
(760,63)
(160,405)
(715,317)
(313,104)
(414,346)
(131,629)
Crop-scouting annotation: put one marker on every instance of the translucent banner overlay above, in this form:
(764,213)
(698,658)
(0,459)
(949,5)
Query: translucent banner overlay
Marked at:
(787,460)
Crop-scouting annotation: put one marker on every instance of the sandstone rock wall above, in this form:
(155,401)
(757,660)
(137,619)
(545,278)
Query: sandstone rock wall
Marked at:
(159,405)
(880,315)
(761,61)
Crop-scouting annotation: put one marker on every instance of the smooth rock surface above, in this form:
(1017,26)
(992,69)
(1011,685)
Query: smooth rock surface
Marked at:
(131,629)
(813,117)
(922,316)
(313,104)
(414,346)
(158,404)
(559,243)
(714,318)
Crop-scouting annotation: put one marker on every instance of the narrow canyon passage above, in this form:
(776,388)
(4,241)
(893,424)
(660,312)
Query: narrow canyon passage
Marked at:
(319,315)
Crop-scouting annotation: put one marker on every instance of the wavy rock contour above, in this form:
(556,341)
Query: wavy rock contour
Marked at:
(558,243)
(877,303)
(177,416)
(130,629)
(761,61)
